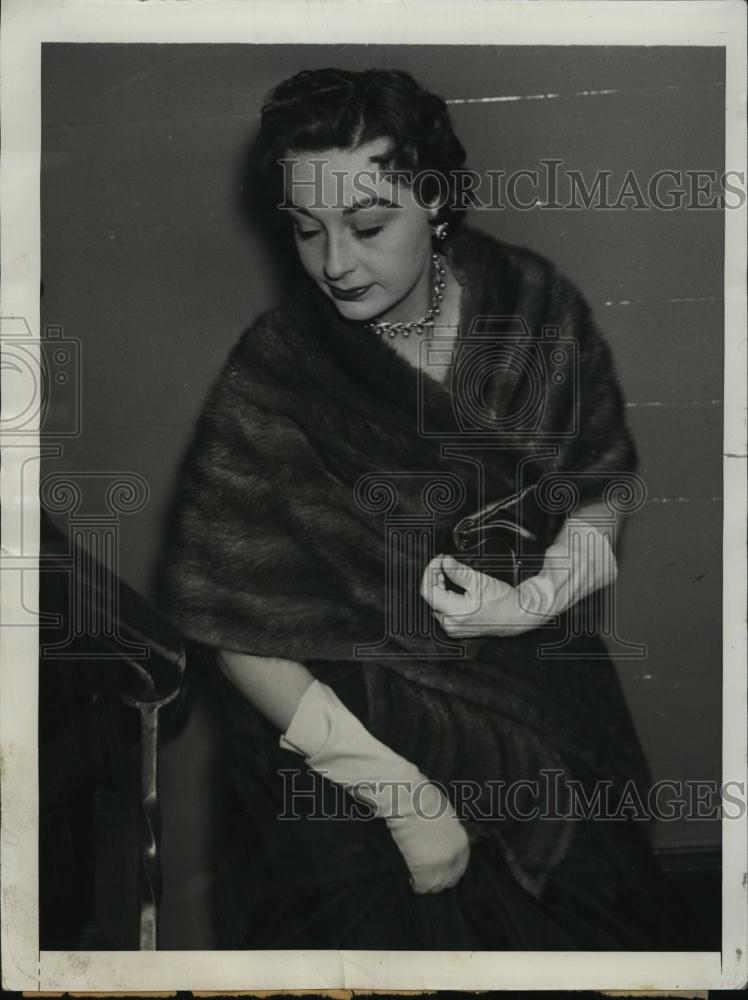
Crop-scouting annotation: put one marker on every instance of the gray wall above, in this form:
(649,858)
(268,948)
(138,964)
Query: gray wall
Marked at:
(146,260)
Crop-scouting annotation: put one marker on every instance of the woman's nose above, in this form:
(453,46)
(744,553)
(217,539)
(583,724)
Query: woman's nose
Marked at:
(338,260)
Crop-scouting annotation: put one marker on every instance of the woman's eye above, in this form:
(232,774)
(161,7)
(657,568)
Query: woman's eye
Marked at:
(366,234)
(305,234)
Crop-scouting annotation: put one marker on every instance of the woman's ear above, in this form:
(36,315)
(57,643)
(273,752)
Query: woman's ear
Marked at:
(433,212)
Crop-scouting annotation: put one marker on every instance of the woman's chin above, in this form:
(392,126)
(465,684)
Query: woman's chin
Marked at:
(360,311)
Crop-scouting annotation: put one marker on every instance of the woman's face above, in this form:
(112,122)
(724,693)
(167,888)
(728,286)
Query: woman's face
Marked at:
(365,240)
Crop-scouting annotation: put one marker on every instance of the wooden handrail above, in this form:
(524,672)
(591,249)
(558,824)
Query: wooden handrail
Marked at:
(153,654)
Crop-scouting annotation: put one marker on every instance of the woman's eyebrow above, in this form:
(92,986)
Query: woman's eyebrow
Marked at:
(356,206)
(377,202)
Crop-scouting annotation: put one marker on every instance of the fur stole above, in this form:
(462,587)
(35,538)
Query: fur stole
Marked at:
(326,471)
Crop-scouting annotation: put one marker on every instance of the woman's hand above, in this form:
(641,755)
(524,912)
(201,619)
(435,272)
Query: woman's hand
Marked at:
(488,606)
(431,839)
(420,819)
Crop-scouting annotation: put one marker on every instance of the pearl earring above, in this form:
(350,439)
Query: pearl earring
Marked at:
(440,230)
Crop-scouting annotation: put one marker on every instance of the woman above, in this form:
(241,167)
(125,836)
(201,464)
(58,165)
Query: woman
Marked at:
(392,394)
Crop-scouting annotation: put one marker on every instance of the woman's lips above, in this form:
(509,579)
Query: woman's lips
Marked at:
(349,294)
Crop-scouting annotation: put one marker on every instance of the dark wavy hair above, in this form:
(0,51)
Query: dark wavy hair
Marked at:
(330,108)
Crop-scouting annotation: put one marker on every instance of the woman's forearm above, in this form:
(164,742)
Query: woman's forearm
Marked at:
(334,742)
(274,686)
(580,561)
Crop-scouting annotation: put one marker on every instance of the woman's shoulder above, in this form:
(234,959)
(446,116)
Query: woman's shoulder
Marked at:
(270,341)
(507,278)
(480,253)
(270,353)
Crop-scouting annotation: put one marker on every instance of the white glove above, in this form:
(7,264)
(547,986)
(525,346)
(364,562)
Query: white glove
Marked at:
(579,562)
(420,819)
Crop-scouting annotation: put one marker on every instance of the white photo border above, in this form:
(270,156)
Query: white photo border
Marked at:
(25,26)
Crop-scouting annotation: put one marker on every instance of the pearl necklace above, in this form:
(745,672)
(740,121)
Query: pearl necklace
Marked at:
(417,325)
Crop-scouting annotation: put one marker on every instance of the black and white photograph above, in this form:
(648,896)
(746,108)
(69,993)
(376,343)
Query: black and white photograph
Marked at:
(374,495)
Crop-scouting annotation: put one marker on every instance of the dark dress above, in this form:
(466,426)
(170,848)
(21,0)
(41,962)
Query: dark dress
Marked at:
(306,882)
(271,517)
